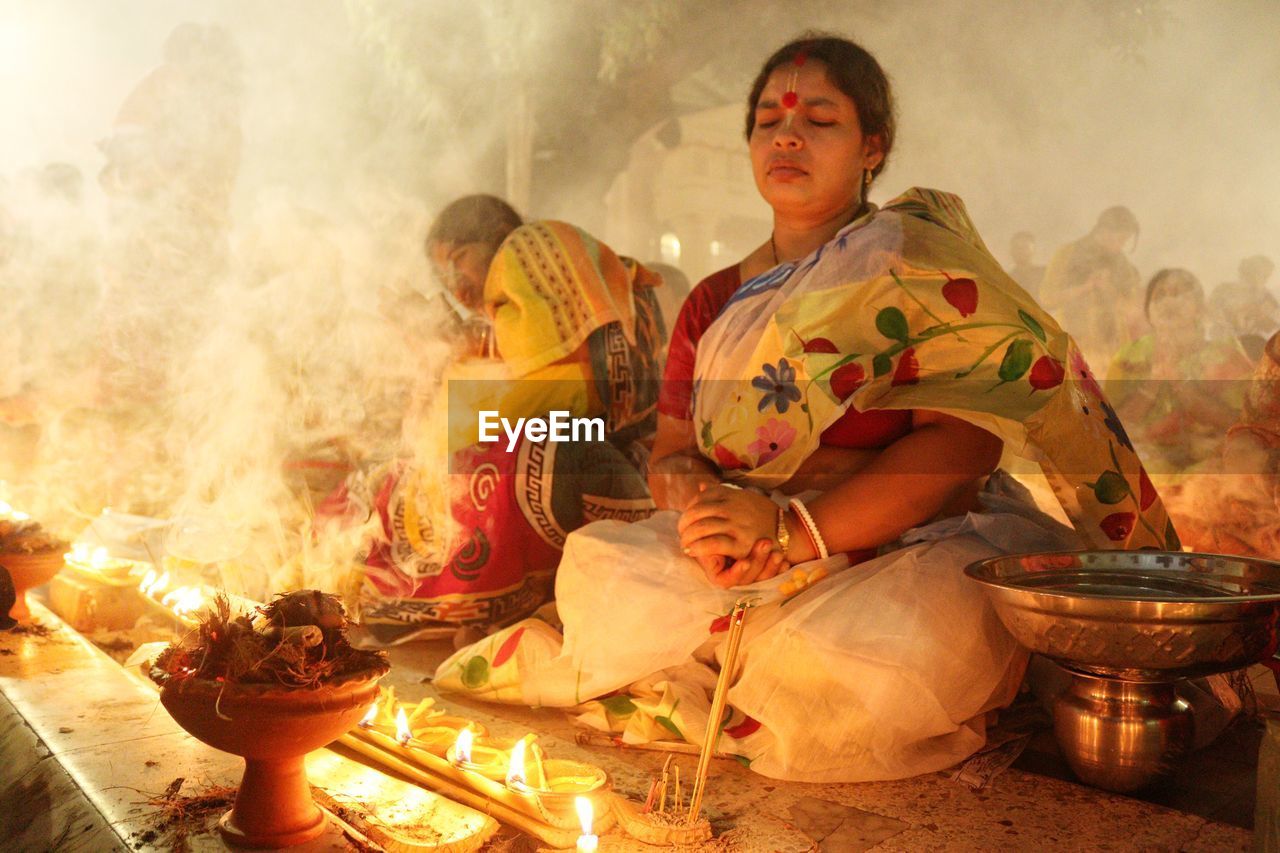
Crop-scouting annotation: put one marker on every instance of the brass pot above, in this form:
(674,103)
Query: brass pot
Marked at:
(1121,735)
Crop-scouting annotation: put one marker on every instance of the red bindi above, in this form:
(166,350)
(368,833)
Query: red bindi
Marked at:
(789,100)
(801,58)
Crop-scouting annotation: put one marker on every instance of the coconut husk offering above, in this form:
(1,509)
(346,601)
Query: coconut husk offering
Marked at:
(298,640)
(28,537)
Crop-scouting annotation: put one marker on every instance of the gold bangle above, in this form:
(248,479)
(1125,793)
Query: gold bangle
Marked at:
(783,535)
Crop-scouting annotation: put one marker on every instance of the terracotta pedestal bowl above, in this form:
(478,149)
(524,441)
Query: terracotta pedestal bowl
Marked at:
(28,571)
(273,729)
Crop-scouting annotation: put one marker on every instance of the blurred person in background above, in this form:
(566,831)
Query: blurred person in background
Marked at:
(1237,509)
(1025,271)
(52,296)
(1246,308)
(172,159)
(1175,391)
(1093,289)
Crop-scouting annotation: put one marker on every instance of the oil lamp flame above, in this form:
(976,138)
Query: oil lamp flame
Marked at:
(152,586)
(462,747)
(586,814)
(184,600)
(369,717)
(587,842)
(515,772)
(79,553)
(403,732)
(100,557)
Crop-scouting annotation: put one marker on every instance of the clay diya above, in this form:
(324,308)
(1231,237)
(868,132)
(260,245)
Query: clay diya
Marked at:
(30,570)
(487,756)
(554,785)
(272,728)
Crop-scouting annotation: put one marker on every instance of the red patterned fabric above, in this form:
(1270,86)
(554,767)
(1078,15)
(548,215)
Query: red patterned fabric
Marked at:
(854,430)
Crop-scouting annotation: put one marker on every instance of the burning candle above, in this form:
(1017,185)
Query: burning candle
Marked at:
(587,842)
(403,733)
(515,774)
(472,754)
(184,600)
(152,584)
(367,720)
(463,746)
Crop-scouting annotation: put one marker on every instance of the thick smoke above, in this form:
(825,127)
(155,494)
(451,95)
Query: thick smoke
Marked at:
(220,329)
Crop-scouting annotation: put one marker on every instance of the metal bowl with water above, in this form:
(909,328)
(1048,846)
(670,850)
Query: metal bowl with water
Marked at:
(1128,625)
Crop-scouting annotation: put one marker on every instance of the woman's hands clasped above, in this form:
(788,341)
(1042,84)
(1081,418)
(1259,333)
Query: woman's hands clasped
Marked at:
(730,532)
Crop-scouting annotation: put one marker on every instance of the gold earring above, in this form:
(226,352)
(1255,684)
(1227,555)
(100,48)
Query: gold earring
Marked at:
(866,181)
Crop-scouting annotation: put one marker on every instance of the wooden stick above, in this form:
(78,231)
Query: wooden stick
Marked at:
(718,701)
(662,800)
(653,792)
(679,801)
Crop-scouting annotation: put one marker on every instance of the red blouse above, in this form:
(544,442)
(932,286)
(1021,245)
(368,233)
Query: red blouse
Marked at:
(873,429)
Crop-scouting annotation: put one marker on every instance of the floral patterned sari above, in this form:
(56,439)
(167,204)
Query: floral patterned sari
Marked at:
(906,309)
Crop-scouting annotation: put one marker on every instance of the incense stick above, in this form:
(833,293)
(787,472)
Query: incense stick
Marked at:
(718,700)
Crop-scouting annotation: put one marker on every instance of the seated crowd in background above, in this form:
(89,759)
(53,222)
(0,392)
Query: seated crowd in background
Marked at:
(1175,361)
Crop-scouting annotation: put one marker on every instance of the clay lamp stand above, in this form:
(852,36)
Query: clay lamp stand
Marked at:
(273,729)
(28,571)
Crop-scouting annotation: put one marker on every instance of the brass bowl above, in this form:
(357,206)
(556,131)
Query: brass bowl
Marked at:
(1128,625)
(1137,615)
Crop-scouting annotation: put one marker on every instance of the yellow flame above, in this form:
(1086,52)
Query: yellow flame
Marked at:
(403,732)
(586,814)
(79,552)
(161,584)
(515,772)
(184,600)
(147,581)
(462,746)
(369,717)
(100,557)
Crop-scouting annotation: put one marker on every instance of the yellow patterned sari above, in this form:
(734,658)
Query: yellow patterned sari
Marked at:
(906,309)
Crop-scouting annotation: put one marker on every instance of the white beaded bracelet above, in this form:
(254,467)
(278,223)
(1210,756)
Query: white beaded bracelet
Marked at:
(810,527)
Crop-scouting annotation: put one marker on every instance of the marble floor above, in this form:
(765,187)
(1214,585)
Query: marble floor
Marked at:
(80,738)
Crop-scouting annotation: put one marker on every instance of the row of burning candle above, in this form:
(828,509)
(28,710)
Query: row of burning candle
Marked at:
(184,601)
(492,770)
